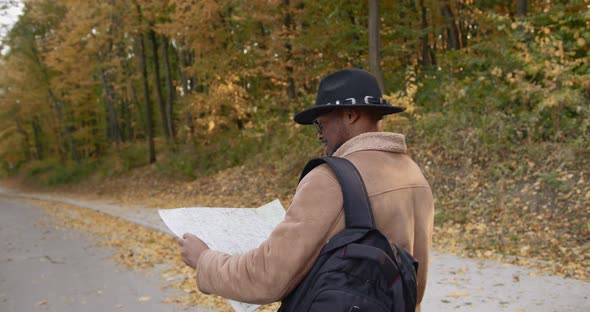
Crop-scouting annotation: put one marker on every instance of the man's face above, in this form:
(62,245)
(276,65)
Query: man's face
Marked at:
(332,131)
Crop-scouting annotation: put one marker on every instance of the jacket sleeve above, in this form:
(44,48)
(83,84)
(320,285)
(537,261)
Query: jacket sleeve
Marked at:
(271,271)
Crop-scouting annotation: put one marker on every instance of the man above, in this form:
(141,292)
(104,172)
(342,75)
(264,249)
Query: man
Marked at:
(348,109)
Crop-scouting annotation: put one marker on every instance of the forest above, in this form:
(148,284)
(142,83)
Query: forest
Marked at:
(83,78)
(498,97)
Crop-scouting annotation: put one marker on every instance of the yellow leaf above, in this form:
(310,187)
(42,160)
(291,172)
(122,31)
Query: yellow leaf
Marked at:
(144,298)
(458,294)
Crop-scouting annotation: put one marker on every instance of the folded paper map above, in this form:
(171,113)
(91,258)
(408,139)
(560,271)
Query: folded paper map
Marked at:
(230,230)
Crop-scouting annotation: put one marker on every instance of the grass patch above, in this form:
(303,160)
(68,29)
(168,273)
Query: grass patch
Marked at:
(180,164)
(125,158)
(53,173)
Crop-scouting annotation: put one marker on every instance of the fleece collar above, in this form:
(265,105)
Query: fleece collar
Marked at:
(373,141)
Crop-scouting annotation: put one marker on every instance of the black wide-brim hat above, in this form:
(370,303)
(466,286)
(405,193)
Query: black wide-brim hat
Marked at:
(347,88)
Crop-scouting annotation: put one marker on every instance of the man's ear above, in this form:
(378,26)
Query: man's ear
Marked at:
(352,115)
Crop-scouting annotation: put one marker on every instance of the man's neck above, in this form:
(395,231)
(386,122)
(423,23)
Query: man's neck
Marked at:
(360,129)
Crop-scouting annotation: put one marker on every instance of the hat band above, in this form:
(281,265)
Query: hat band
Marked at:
(366,100)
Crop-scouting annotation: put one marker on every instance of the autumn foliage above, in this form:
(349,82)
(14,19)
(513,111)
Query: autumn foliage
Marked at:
(82,77)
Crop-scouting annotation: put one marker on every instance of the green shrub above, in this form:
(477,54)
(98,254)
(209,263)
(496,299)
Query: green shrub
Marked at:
(71,173)
(180,163)
(39,168)
(125,158)
(51,172)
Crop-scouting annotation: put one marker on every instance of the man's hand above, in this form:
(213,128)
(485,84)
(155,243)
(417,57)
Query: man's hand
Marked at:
(191,248)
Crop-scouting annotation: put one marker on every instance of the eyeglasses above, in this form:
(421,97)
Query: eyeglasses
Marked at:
(318,126)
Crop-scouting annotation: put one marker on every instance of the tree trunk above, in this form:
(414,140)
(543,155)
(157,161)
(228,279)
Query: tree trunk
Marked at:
(188,119)
(37,138)
(453,39)
(129,98)
(112,120)
(135,98)
(521,9)
(182,60)
(71,142)
(26,141)
(170,91)
(288,24)
(148,101)
(375,42)
(179,59)
(140,114)
(146,91)
(95,130)
(163,115)
(462,23)
(427,59)
(125,125)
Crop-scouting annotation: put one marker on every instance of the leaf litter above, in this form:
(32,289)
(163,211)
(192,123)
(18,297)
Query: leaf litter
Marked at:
(537,217)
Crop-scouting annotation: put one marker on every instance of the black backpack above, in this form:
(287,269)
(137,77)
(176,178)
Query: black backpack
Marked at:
(357,270)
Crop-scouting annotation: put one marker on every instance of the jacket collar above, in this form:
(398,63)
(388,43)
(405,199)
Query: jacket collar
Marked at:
(373,141)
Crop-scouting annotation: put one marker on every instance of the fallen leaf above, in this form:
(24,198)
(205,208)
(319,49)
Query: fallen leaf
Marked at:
(516,277)
(458,294)
(41,302)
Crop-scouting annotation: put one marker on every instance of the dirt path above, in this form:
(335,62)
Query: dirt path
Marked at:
(455,283)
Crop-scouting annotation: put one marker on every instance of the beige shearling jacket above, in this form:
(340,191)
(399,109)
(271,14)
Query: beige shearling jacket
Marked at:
(402,205)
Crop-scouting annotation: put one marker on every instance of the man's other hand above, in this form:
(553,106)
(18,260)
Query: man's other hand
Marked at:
(191,248)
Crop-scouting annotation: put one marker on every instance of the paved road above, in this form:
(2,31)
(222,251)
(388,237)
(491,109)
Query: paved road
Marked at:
(454,283)
(459,284)
(48,269)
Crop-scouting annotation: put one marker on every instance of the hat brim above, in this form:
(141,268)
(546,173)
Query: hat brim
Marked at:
(307,116)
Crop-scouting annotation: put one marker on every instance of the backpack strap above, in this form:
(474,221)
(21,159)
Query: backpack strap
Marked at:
(357,208)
